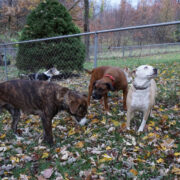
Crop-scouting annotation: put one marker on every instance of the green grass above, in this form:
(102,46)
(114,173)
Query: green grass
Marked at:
(133,62)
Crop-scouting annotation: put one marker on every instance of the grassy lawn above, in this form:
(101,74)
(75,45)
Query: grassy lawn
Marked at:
(136,61)
(103,149)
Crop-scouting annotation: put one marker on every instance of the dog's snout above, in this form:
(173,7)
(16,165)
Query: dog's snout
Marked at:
(96,96)
(155,71)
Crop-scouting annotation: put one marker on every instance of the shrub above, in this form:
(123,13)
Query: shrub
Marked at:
(50,19)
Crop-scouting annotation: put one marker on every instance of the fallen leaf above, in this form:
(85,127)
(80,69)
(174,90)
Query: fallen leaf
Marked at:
(151,123)
(47,173)
(134,172)
(40,178)
(94,121)
(80,144)
(105,158)
(160,160)
(2,136)
(3,149)
(123,125)
(103,120)
(94,137)
(108,148)
(71,132)
(177,154)
(176,170)
(14,159)
(23,177)
(57,150)
(65,155)
(28,121)
(116,123)
(45,155)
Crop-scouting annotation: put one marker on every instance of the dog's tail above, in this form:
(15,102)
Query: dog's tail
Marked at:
(88,71)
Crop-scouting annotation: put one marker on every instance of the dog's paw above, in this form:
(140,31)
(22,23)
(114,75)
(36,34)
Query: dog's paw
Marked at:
(140,130)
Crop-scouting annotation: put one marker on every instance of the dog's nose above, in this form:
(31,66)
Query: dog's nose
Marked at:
(155,70)
(96,96)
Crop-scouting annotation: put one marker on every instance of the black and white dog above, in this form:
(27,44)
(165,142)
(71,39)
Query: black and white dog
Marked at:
(45,76)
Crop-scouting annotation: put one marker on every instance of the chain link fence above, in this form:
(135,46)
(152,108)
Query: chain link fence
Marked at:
(69,55)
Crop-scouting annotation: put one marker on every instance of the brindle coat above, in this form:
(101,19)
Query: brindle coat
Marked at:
(40,98)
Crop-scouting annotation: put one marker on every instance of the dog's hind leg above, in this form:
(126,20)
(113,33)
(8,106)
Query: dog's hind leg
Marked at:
(16,118)
(145,117)
(47,129)
(15,113)
(125,92)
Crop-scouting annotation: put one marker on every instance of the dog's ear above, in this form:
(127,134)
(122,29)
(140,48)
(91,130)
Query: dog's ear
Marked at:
(73,106)
(110,87)
(85,94)
(133,73)
(126,69)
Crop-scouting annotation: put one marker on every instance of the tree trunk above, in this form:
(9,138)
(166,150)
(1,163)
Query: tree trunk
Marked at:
(9,18)
(86,26)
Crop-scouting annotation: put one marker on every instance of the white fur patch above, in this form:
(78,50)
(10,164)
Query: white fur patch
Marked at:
(83,121)
(140,100)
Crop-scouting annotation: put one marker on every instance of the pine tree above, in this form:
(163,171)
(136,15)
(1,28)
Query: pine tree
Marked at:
(50,19)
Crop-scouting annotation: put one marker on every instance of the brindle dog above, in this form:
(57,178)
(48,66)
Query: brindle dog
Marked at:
(40,98)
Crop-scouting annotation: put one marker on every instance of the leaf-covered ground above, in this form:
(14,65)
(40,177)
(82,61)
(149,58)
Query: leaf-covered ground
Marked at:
(103,149)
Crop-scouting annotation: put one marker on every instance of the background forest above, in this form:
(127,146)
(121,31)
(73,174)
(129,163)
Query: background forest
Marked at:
(102,15)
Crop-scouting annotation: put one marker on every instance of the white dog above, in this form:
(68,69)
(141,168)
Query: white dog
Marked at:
(141,95)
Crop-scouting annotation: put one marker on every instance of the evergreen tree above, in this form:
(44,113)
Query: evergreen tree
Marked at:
(50,19)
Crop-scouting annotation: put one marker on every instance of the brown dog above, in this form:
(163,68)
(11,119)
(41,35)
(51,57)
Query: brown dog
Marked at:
(41,98)
(104,79)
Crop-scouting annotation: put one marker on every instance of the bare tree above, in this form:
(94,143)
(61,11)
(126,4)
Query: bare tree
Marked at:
(86,26)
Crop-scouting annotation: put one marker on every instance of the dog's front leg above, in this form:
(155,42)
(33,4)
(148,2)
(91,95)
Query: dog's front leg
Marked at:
(125,92)
(145,117)
(90,93)
(130,115)
(47,127)
(106,102)
(90,89)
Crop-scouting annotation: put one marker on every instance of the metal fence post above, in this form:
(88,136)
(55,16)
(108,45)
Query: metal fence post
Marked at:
(5,63)
(123,49)
(95,49)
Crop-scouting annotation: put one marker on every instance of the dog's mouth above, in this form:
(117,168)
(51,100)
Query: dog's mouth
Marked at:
(153,75)
(97,96)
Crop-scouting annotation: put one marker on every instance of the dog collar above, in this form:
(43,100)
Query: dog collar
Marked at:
(109,76)
(139,88)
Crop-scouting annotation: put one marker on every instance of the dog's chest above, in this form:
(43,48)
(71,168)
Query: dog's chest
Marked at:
(140,100)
